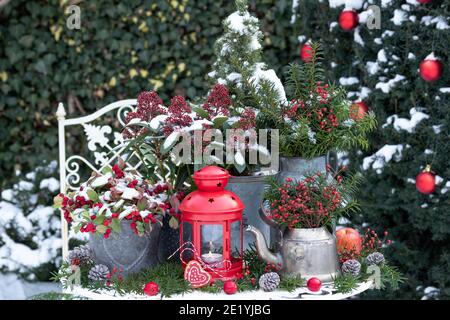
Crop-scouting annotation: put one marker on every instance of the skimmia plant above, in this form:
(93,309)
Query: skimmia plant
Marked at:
(153,131)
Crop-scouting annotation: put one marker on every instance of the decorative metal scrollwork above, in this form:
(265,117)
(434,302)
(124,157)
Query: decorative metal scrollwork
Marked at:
(105,144)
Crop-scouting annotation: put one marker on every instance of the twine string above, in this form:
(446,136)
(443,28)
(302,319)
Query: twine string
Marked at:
(225,265)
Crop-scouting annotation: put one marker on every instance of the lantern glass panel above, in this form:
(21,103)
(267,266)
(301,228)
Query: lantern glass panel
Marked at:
(187,237)
(212,243)
(236,240)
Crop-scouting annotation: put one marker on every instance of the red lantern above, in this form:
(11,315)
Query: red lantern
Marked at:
(348,20)
(306,52)
(211,225)
(430,69)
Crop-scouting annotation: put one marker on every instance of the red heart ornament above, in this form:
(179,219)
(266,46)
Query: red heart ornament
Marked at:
(196,275)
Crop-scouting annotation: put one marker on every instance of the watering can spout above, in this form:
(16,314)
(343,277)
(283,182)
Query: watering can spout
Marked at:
(262,249)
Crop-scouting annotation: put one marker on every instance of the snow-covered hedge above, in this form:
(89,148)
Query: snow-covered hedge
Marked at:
(30,240)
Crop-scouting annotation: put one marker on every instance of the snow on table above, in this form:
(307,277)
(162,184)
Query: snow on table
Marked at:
(326,293)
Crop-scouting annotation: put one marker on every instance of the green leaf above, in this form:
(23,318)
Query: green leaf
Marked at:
(201,112)
(85,215)
(115,225)
(173,223)
(140,227)
(99,220)
(150,158)
(240,168)
(106,170)
(219,121)
(77,228)
(92,195)
(170,141)
(142,203)
(101,229)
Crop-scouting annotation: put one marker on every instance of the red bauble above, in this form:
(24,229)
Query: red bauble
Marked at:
(348,240)
(430,70)
(151,289)
(426,181)
(314,284)
(358,110)
(348,19)
(230,287)
(306,53)
(424,1)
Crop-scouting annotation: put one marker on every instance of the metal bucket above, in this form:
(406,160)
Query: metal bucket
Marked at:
(127,250)
(169,241)
(250,189)
(297,168)
(310,253)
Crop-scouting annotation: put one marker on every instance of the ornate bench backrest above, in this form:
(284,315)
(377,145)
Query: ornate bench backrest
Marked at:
(103,148)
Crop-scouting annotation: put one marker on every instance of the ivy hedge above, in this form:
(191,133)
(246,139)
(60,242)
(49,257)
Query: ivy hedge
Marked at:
(121,49)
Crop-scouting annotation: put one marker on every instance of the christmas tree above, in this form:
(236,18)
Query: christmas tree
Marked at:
(239,64)
(380,68)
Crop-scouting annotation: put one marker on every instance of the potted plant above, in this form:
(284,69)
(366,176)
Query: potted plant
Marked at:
(317,119)
(304,211)
(154,130)
(123,215)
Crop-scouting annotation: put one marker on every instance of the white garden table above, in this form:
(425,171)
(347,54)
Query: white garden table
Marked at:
(326,293)
(105,144)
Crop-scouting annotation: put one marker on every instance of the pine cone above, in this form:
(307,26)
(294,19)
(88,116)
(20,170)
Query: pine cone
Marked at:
(351,266)
(81,255)
(375,258)
(99,272)
(269,281)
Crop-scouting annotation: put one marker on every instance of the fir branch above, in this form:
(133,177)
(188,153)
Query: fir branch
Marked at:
(345,283)
(390,277)
(291,283)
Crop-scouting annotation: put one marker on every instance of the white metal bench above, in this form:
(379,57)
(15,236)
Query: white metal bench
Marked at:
(103,142)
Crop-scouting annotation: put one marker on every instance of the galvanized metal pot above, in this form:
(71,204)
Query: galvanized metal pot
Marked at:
(297,168)
(250,189)
(169,241)
(304,252)
(127,250)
